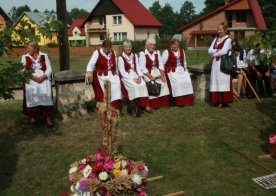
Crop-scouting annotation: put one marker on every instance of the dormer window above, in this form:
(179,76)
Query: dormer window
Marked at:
(117,20)
(241,16)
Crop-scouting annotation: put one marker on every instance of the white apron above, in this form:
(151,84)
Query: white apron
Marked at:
(180,82)
(135,90)
(219,81)
(38,94)
(164,88)
(115,85)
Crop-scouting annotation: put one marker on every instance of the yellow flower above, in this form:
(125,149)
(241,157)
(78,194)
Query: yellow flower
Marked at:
(116,172)
(118,165)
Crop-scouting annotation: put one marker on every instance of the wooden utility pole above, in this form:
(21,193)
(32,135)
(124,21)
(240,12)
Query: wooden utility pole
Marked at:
(63,36)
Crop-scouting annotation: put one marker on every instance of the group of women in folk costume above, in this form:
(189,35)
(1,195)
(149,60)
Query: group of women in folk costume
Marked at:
(130,76)
(169,70)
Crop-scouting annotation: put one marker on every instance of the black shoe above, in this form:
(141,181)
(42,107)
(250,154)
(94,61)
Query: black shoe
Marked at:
(224,105)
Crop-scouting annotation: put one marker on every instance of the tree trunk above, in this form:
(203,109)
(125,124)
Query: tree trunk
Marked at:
(63,36)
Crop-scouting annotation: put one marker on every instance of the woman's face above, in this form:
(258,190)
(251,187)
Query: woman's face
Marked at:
(175,46)
(31,50)
(106,50)
(221,31)
(151,47)
(127,49)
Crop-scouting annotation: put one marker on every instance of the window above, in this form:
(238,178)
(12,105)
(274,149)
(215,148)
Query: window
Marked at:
(102,36)
(102,21)
(241,17)
(76,33)
(117,19)
(240,35)
(120,36)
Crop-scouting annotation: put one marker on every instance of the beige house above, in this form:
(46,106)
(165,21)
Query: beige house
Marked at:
(119,20)
(243,17)
(4,20)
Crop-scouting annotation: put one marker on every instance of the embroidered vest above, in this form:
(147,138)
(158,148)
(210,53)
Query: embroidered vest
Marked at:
(149,62)
(172,60)
(127,65)
(219,46)
(103,65)
(29,63)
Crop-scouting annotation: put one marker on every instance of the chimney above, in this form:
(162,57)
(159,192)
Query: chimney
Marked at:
(226,1)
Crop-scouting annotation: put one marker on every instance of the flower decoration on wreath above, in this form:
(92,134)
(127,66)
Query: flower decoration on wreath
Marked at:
(108,175)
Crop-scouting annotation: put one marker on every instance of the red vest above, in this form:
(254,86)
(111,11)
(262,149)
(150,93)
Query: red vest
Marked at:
(172,60)
(29,63)
(219,46)
(127,65)
(149,62)
(103,65)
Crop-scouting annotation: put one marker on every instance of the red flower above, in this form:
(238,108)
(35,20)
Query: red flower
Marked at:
(97,168)
(64,194)
(141,168)
(88,159)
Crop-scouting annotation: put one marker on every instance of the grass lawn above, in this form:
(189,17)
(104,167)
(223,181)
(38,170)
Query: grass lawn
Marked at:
(197,149)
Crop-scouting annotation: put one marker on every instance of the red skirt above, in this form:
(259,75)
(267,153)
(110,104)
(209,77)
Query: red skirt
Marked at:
(184,100)
(159,102)
(222,97)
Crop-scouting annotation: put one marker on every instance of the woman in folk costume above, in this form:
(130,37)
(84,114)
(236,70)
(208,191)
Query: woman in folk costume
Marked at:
(178,77)
(103,66)
(133,86)
(153,69)
(221,92)
(37,95)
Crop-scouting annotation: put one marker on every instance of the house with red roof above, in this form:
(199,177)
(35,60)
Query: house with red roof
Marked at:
(243,17)
(119,20)
(76,34)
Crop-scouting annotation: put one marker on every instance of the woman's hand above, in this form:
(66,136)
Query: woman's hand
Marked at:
(89,75)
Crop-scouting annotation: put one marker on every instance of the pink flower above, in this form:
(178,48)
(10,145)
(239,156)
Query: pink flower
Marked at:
(142,193)
(82,166)
(272,139)
(108,164)
(71,177)
(92,175)
(99,156)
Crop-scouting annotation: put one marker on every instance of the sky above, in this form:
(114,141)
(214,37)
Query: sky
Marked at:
(88,5)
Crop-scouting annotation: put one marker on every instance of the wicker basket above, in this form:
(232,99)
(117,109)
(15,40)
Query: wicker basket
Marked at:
(272,150)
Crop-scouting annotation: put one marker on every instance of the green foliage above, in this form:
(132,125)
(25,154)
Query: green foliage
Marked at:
(12,76)
(208,39)
(211,5)
(266,42)
(187,12)
(24,33)
(16,12)
(5,41)
(77,13)
(268,10)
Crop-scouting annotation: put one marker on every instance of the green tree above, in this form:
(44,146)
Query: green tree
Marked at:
(211,5)
(156,10)
(168,19)
(11,75)
(187,12)
(16,12)
(268,10)
(78,13)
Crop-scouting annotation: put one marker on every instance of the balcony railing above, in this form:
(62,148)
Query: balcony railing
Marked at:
(96,28)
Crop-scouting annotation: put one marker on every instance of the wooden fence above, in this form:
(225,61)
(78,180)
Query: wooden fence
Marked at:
(73,51)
